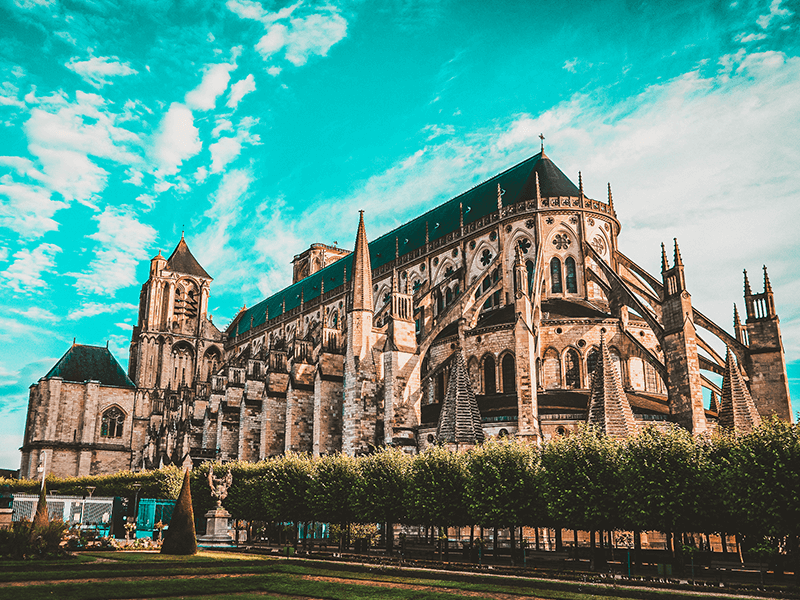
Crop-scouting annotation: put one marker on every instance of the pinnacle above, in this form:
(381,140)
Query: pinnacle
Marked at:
(460,419)
(609,408)
(362,270)
(737,411)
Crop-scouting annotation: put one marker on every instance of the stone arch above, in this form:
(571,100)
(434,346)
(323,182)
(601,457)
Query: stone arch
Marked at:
(112,421)
(551,369)
(508,372)
(488,374)
(439,274)
(474,370)
(570,274)
(616,359)
(183,355)
(212,361)
(571,359)
(476,267)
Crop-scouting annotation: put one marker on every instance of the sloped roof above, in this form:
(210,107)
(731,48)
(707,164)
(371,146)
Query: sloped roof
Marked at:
(84,363)
(518,182)
(182,261)
(609,408)
(737,411)
(460,419)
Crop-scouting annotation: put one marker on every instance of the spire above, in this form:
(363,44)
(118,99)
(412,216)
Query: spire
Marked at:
(500,193)
(737,411)
(538,189)
(664,261)
(611,200)
(541,137)
(580,183)
(736,321)
(747,290)
(767,286)
(362,270)
(609,408)
(678,260)
(460,419)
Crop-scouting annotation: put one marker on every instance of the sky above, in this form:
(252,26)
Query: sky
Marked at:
(259,128)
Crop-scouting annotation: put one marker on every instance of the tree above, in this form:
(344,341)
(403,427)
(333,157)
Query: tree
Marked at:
(332,489)
(181,538)
(663,474)
(502,486)
(381,482)
(582,482)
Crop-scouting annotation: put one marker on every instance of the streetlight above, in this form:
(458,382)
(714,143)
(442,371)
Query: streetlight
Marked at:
(42,466)
(90,489)
(137,486)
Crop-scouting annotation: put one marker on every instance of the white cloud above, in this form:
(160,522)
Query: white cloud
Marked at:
(214,83)
(775,11)
(28,209)
(91,309)
(135,177)
(123,242)
(222,125)
(569,65)
(35,313)
(227,149)
(63,135)
(98,70)
(201,174)
(240,89)
(274,71)
(177,139)
(273,41)
(249,9)
(752,37)
(26,273)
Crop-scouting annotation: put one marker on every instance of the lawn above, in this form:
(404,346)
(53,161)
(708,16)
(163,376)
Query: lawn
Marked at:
(212,575)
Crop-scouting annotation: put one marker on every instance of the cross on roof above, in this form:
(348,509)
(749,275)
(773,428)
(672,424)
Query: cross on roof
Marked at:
(541,137)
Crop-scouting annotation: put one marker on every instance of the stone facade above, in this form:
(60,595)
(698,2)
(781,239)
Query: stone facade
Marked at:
(521,275)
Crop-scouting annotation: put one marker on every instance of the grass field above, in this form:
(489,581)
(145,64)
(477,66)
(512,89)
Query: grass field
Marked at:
(213,575)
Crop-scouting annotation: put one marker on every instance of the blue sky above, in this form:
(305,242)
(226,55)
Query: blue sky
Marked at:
(260,128)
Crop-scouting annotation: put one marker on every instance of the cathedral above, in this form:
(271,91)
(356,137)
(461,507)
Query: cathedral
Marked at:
(508,310)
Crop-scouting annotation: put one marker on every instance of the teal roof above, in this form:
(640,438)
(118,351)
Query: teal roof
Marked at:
(90,363)
(518,182)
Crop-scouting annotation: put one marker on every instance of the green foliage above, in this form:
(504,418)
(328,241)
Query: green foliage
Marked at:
(283,488)
(25,540)
(663,475)
(503,484)
(381,484)
(162,483)
(331,493)
(436,493)
(582,481)
(763,480)
(181,537)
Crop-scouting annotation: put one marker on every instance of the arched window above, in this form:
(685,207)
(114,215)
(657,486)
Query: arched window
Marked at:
(495,275)
(572,370)
(509,371)
(572,279)
(489,384)
(448,297)
(529,268)
(591,361)
(112,422)
(552,370)
(555,276)
(439,302)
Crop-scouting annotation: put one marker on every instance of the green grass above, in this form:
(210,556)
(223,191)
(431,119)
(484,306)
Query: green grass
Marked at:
(222,575)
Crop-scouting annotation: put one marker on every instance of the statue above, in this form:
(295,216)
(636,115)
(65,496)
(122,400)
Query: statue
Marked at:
(219,485)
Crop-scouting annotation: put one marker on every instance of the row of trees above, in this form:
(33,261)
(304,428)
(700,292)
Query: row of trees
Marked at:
(661,480)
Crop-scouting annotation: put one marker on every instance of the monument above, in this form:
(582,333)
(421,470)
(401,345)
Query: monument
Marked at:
(217,519)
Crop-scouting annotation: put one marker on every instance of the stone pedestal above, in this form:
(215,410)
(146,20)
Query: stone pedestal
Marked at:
(216,529)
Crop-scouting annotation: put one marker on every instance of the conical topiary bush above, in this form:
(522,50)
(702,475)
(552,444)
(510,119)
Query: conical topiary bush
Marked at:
(181,537)
(41,518)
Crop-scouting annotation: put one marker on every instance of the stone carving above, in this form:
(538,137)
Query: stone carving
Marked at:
(219,486)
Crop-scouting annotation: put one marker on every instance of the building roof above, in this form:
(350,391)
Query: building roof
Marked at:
(182,261)
(90,363)
(737,411)
(609,408)
(518,183)
(460,418)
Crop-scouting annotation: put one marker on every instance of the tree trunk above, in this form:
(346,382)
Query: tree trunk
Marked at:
(494,544)
(724,541)
(559,541)
(537,539)
(389,534)
(575,539)
(513,543)
(637,548)
(592,550)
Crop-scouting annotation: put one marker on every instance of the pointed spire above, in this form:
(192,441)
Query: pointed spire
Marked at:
(678,260)
(461,214)
(737,411)
(736,321)
(362,270)
(747,290)
(767,286)
(609,408)
(714,403)
(664,261)
(580,183)
(611,200)
(499,197)
(460,418)
(427,233)
(538,189)
(396,247)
